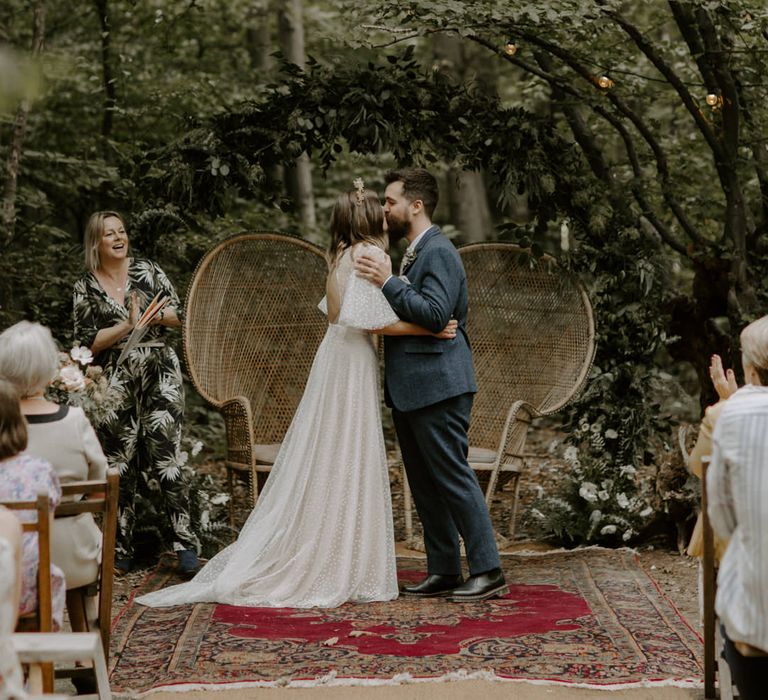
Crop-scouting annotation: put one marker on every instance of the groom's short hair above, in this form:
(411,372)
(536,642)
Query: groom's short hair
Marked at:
(417,184)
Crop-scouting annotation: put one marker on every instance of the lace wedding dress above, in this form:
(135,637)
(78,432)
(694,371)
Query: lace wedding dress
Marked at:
(321,532)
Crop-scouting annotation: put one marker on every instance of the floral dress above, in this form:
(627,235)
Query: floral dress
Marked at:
(21,478)
(142,436)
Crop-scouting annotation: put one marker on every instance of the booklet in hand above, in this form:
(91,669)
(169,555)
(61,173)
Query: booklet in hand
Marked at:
(142,325)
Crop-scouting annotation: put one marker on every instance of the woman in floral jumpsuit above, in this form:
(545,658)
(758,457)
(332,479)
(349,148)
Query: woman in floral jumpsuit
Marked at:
(142,436)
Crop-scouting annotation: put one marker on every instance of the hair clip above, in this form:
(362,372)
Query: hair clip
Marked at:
(359,186)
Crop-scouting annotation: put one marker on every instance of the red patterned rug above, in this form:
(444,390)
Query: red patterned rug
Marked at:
(585,617)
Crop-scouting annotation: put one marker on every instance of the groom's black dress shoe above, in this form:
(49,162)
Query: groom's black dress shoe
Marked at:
(433,585)
(481,586)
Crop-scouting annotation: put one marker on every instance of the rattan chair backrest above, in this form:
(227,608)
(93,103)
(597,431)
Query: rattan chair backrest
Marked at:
(532,333)
(252,325)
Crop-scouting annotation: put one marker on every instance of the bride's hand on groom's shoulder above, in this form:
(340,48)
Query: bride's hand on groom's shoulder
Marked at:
(374,269)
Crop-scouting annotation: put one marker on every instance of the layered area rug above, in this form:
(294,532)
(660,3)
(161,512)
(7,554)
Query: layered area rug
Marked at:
(588,617)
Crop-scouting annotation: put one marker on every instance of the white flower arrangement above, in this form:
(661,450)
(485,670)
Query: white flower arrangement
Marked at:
(571,454)
(588,491)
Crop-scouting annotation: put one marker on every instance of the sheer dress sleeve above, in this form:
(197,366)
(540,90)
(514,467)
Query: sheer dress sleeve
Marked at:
(364,306)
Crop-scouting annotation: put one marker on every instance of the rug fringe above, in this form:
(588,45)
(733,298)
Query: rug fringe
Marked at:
(332,679)
(565,550)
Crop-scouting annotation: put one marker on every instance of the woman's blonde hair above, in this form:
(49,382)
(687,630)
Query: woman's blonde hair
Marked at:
(754,347)
(29,358)
(357,216)
(13,427)
(94,230)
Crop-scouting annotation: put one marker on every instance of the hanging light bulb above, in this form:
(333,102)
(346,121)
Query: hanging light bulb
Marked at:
(511,48)
(714,100)
(605,82)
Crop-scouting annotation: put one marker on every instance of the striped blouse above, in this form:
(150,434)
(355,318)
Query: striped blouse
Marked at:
(737,485)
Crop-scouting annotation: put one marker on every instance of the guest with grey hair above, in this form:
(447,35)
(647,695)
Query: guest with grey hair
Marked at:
(63,436)
(737,487)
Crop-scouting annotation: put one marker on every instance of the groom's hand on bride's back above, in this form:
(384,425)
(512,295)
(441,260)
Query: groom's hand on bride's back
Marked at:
(375,270)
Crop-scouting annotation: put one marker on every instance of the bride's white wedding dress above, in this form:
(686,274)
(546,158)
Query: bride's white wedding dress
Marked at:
(321,532)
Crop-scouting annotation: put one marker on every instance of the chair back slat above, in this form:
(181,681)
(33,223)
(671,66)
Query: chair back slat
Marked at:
(105,502)
(82,487)
(532,333)
(43,616)
(252,325)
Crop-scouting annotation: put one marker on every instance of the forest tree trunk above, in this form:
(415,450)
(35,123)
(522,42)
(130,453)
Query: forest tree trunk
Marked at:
(290,21)
(10,188)
(467,197)
(108,76)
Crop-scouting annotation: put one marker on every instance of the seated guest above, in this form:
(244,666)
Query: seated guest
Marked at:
(11,682)
(63,436)
(22,477)
(737,486)
(725,385)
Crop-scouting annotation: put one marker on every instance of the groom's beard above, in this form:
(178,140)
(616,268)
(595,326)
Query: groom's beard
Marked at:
(396,229)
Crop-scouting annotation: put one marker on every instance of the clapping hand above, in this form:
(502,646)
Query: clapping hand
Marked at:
(723,381)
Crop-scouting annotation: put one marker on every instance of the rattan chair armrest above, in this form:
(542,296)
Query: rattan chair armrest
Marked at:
(511,443)
(512,440)
(238,421)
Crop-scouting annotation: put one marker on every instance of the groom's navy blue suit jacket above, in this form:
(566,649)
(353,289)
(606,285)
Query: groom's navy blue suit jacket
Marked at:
(422,370)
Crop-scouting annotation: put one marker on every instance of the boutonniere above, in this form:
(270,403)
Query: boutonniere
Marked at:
(409,257)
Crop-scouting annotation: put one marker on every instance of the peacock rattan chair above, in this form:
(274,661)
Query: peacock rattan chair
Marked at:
(251,331)
(533,342)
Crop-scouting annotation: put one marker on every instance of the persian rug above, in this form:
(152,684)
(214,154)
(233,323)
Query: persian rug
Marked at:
(589,617)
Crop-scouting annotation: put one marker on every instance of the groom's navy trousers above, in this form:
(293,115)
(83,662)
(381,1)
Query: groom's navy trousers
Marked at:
(448,498)
(430,383)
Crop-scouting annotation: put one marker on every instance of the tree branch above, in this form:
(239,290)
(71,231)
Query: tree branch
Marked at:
(662,165)
(687,26)
(637,187)
(674,80)
(659,155)
(736,208)
(581,131)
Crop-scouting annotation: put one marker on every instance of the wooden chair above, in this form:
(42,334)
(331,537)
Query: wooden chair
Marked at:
(42,618)
(251,331)
(38,649)
(533,341)
(102,499)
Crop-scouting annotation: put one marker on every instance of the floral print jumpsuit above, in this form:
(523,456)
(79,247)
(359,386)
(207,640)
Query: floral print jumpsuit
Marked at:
(142,436)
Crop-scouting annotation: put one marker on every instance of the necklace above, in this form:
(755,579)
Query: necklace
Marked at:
(33,398)
(113,282)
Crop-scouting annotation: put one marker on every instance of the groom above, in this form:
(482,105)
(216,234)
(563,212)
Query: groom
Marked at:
(429,384)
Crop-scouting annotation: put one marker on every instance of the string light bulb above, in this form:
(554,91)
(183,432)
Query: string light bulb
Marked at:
(714,100)
(511,48)
(605,82)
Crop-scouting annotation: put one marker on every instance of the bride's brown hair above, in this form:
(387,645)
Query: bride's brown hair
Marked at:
(356,217)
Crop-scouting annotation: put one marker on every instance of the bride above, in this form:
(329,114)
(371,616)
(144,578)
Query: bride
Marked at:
(321,532)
